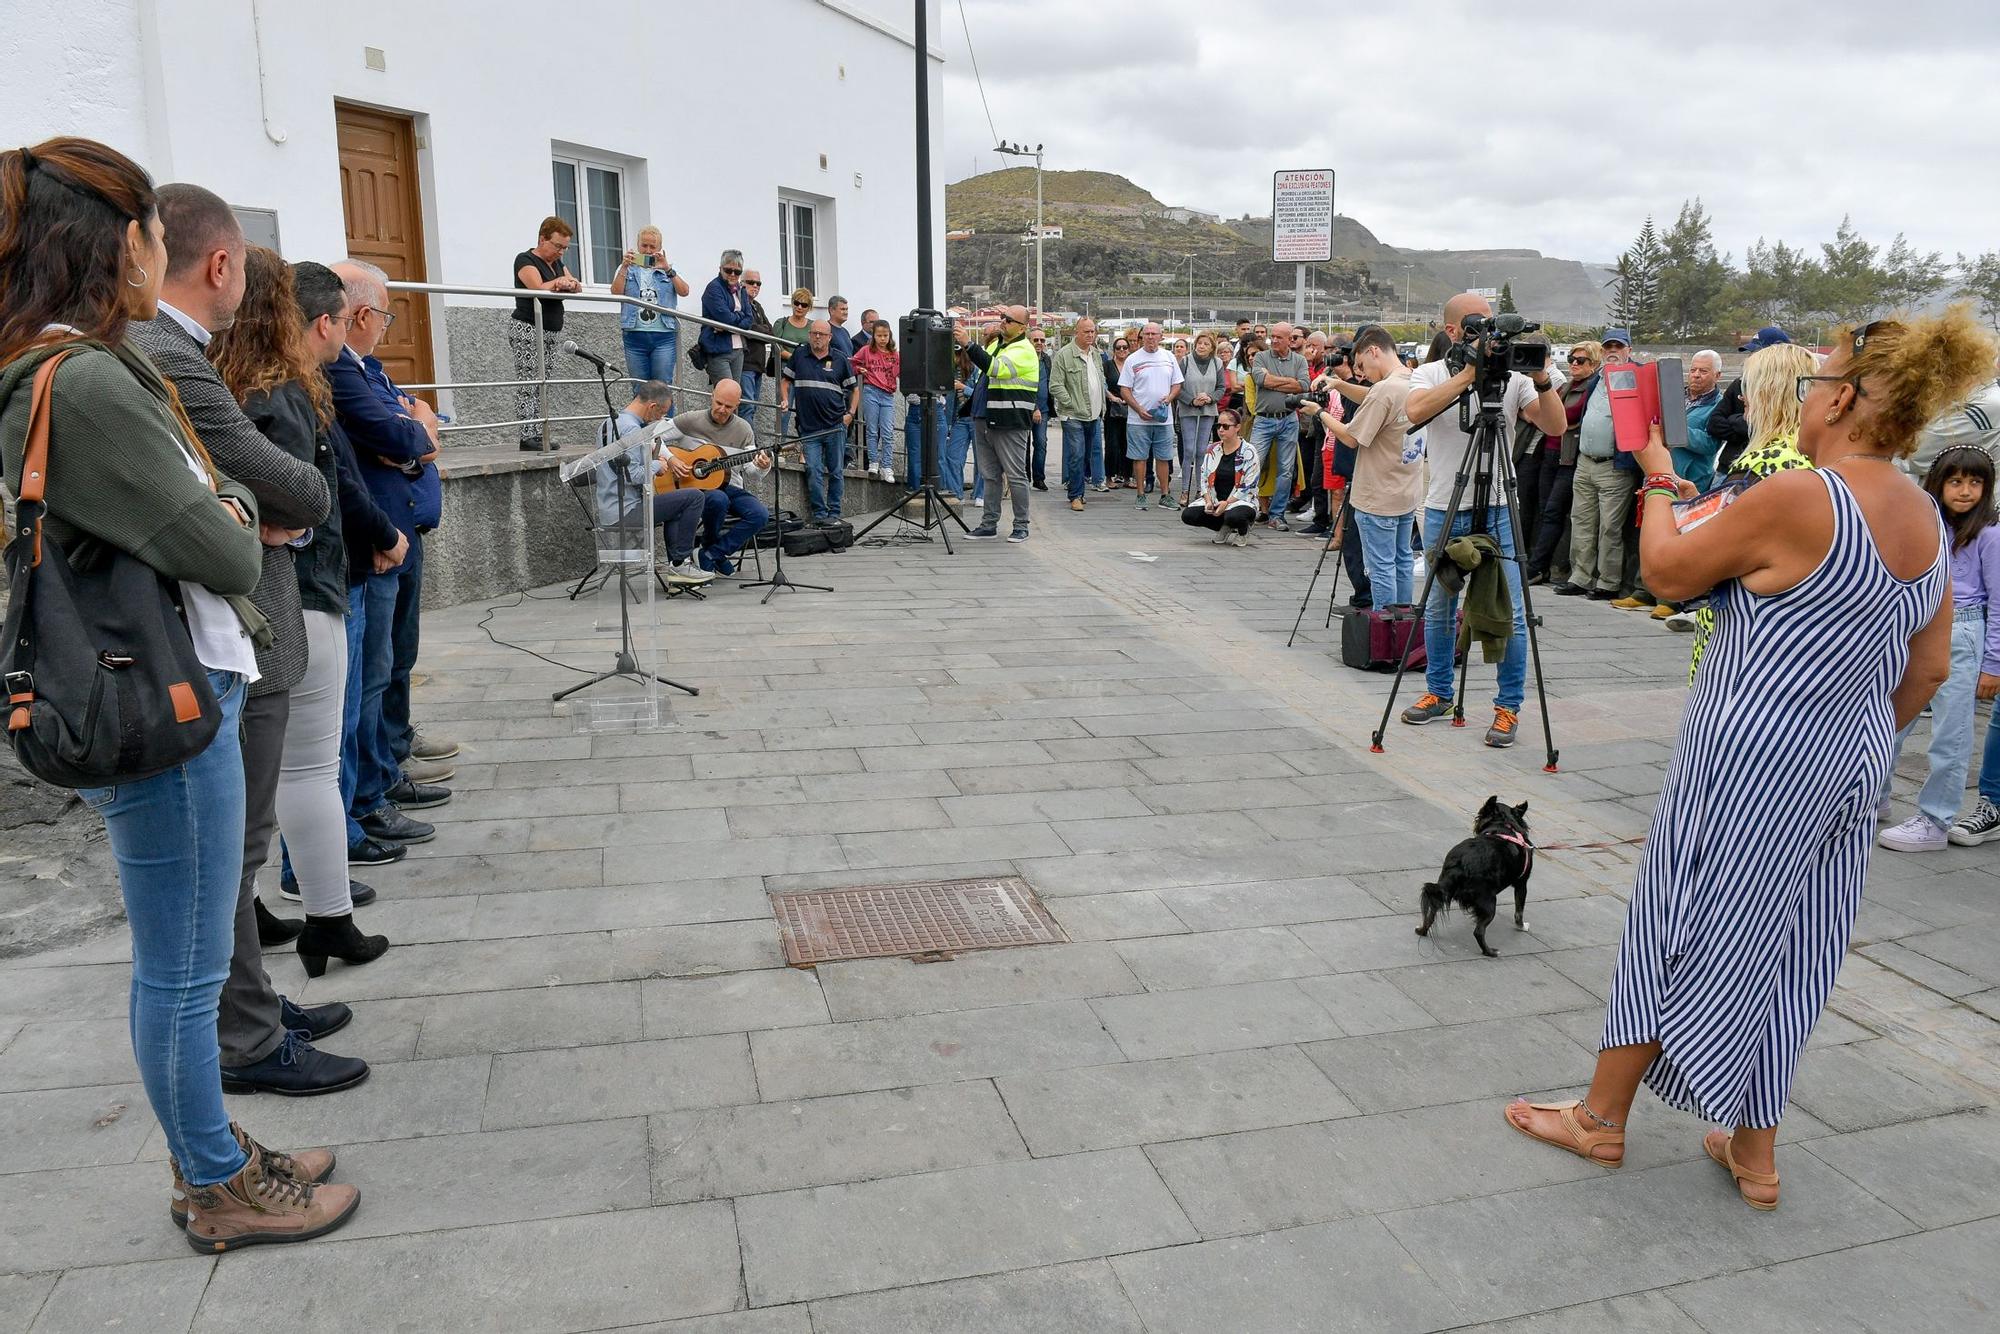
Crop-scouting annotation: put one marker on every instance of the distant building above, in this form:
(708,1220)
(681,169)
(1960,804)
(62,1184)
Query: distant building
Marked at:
(1152,279)
(1191,215)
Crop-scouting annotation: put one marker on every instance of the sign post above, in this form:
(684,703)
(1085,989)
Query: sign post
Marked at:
(1301,225)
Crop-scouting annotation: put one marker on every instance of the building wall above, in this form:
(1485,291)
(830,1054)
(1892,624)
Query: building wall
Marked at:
(724,106)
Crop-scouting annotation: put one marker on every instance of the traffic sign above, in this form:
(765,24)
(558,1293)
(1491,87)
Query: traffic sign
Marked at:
(1302,216)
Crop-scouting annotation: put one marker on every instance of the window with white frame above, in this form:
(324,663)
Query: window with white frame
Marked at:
(798,244)
(590,197)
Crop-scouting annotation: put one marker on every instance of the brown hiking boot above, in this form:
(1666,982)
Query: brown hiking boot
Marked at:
(256,1207)
(311,1166)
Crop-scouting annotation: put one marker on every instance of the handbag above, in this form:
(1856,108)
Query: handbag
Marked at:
(103,685)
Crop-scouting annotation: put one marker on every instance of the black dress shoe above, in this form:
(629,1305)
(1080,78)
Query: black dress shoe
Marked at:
(374,852)
(1568,590)
(1600,595)
(315,1021)
(295,1070)
(411,796)
(391,825)
(275,930)
(358,894)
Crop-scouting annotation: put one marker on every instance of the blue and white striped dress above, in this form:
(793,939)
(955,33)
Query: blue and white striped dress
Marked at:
(1746,897)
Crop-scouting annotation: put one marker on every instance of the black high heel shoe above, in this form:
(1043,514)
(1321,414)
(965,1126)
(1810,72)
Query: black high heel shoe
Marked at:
(337,938)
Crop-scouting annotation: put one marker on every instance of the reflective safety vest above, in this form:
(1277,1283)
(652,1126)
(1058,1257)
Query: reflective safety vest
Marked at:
(1013,383)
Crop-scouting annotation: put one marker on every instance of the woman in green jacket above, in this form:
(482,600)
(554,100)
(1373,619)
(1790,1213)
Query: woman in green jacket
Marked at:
(84,254)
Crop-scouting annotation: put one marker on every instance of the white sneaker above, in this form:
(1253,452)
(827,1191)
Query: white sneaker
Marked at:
(888,474)
(1919,833)
(1974,828)
(687,574)
(1682,622)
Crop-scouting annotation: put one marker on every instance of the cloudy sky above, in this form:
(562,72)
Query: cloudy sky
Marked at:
(1455,125)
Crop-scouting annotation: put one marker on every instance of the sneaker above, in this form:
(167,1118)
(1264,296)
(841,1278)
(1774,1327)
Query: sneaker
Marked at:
(1018,535)
(1631,603)
(984,530)
(408,796)
(1663,611)
(358,894)
(311,1166)
(1076,505)
(375,852)
(389,825)
(1101,486)
(1278,525)
(426,747)
(1142,501)
(889,475)
(1239,539)
(1682,622)
(1041,486)
(719,565)
(427,771)
(1919,833)
(1427,708)
(1970,830)
(1505,722)
(258,1206)
(687,574)
(1538,578)
(1315,530)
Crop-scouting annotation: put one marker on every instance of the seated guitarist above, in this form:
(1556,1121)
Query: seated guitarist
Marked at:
(677,513)
(731,516)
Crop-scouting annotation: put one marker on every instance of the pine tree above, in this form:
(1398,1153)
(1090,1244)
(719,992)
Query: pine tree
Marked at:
(1979,282)
(1911,277)
(1848,285)
(1635,291)
(1693,276)
(1507,306)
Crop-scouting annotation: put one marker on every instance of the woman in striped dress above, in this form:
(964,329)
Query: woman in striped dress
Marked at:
(1829,638)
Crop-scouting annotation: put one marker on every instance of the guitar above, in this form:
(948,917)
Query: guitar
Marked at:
(710,465)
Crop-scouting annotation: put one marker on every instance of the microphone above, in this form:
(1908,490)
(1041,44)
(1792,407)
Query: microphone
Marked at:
(569,346)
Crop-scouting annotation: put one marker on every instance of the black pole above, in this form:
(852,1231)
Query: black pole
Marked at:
(926,288)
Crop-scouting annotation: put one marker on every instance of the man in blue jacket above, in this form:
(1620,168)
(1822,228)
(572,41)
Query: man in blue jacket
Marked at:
(395,439)
(725,302)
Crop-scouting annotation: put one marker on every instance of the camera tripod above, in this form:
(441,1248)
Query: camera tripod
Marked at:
(1336,538)
(1487,463)
(936,512)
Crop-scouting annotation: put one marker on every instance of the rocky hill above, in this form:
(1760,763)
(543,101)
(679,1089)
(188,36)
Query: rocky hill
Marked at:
(1120,243)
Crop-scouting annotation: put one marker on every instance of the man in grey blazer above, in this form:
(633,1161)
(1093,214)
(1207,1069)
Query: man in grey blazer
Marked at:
(266,1040)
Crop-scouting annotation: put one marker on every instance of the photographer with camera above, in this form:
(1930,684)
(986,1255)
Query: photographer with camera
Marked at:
(1388,467)
(1435,389)
(652,340)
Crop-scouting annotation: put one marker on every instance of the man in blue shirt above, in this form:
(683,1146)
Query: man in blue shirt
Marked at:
(1696,460)
(822,387)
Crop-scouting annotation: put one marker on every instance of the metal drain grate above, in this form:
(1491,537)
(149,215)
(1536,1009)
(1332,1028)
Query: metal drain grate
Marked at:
(924,917)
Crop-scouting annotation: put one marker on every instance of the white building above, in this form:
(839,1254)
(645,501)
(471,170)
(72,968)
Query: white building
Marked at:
(431,136)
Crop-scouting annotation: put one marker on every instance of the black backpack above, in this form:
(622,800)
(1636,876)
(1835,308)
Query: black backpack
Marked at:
(102,681)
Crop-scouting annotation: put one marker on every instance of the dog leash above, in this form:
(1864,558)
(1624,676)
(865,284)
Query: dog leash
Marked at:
(1594,847)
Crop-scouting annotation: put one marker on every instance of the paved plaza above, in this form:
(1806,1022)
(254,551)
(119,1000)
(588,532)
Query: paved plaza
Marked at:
(1244,1097)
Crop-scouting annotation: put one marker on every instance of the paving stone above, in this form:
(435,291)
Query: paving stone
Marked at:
(1365,943)
(87,1216)
(491,1021)
(730,793)
(1641,1313)
(867,851)
(608,908)
(888,875)
(836,817)
(454,968)
(1337,1276)
(1590,968)
(1030,807)
(1097,748)
(1205,1019)
(767,1320)
(593,1272)
(1426,1066)
(731,857)
(1217,958)
(1646,1229)
(1146,1102)
(928,1049)
(1478,989)
(625,1079)
(766,764)
(1364,1003)
(80,1127)
(732,1003)
(1940,1282)
(1269,903)
(1060,1299)
(964,755)
(1971,952)
(1232,794)
(1044,777)
(696,950)
(880,988)
(21,1297)
(1203,769)
(772,1146)
(1115,916)
(835,1240)
(1864,1084)
(398,1101)
(68,1053)
(436,877)
(97,991)
(157,1295)
(1936,1172)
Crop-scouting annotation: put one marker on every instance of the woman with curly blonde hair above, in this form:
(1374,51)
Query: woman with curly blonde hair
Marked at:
(1833,630)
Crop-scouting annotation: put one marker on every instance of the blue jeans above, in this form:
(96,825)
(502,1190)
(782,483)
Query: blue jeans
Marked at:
(824,479)
(1951,724)
(1195,435)
(1385,555)
(178,840)
(1283,432)
(913,443)
(718,508)
(878,423)
(650,354)
(1082,442)
(751,381)
(1441,620)
(951,463)
(388,648)
(1038,450)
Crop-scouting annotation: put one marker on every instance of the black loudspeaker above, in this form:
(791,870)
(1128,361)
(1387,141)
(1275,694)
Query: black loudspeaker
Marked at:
(929,357)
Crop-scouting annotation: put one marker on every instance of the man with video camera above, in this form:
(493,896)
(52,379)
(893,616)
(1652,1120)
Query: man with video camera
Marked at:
(1435,390)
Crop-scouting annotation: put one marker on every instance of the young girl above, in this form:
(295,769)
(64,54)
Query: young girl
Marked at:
(879,365)
(1961,481)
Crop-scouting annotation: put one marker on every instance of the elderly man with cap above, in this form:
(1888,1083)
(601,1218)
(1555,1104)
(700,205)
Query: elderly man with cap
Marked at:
(1013,376)
(1601,503)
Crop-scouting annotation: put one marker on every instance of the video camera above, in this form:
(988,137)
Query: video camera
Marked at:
(1488,344)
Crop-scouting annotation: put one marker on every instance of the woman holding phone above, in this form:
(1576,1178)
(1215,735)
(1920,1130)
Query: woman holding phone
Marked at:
(652,340)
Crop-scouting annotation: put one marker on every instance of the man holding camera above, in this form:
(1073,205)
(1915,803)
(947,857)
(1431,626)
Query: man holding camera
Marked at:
(1434,394)
(1388,467)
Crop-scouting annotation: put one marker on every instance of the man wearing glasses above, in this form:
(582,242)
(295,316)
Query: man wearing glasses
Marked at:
(1000,440)
(1077,381)
(1038,462)
(757,355)
(725,302)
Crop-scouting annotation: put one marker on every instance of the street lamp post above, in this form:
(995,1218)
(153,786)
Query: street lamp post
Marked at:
(1021,150)
(1406,290)
(1190,260)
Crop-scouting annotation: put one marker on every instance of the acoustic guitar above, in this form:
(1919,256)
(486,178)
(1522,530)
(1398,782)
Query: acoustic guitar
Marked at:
(710,464)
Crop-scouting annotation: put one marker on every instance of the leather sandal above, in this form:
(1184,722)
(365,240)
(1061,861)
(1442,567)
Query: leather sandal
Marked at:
(1741,1175)
(1588,1144)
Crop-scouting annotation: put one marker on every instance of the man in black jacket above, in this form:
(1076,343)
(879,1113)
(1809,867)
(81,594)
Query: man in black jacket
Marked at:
(265,1038)
(1728,424)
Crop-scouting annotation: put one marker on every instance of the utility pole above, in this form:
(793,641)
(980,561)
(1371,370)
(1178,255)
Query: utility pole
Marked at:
(1190,260)
(1021,150)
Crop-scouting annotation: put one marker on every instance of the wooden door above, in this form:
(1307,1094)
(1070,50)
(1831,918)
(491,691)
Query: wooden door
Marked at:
(380,194)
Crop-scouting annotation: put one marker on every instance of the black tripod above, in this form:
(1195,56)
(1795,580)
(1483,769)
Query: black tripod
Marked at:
(935,510)
(779,579)
(626,663)
(1336,537)
(1486,460)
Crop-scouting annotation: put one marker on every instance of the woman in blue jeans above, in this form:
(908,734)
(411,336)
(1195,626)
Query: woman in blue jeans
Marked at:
(651,339)
(80,228)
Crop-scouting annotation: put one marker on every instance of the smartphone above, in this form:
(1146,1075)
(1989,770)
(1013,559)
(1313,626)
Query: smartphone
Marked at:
(650,261)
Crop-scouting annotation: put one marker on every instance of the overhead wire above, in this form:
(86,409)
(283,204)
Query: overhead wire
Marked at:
(977,81)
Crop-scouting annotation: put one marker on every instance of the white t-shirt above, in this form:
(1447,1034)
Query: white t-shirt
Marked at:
(1445,444)
(1152,377)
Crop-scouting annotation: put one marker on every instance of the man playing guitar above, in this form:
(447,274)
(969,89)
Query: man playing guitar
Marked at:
(677,513)
(731,516)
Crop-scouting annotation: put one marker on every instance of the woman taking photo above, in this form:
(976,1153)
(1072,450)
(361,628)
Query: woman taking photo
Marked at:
(267,363)
(652,340)
(82,254)
(1746,897)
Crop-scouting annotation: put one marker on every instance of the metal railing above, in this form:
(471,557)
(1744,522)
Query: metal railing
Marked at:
(543,380)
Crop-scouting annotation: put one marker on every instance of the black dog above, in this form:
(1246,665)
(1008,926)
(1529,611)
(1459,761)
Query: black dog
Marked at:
(1497,855)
